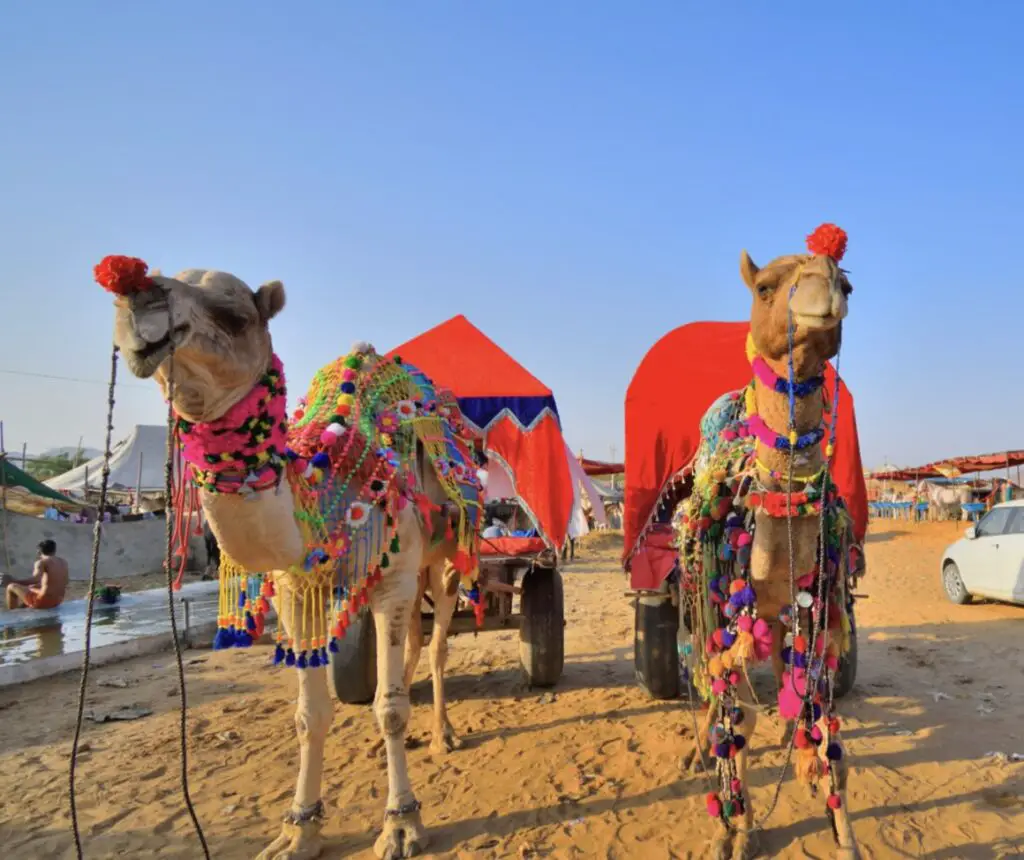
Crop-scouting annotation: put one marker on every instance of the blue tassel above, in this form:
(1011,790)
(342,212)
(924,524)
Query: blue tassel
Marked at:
(324,659)
(834,752)
(314,660)
(289,659)
(321,460)
(243,639)
(242,597)
(224,639)
(250,622)
(333,645)
(817,712)
(348,388)
(302,663)
(278,655)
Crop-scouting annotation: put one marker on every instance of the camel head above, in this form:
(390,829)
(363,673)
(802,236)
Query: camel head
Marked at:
(218,325)
(810,292)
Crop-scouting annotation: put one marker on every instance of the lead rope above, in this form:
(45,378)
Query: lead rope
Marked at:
(168,480)
(168,567)
(763,819)
(94,566)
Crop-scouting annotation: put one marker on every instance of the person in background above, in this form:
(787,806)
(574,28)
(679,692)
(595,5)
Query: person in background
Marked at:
(46,587)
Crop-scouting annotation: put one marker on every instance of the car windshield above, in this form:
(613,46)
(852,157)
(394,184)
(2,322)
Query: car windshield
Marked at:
(1016,522)
(994,522)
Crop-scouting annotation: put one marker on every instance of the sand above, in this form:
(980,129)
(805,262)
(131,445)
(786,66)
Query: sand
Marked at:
(590,772)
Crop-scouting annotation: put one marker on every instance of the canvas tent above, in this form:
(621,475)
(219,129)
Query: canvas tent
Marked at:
(145,447)
(513,411)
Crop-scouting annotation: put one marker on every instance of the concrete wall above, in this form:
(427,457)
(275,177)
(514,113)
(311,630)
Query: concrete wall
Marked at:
(126,549)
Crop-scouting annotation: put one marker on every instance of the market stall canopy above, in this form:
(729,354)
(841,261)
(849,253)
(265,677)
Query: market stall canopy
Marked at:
(676,382)
(952,467)
(145,446)
(512,410)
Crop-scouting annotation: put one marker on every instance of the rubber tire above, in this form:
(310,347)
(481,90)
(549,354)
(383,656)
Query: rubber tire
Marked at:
(846,677)
(656,647)
(353,675)
(962,595)
(542,627)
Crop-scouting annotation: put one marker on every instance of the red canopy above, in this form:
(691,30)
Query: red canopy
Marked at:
(513,411)
(676,382)
(596,468)
(963,465)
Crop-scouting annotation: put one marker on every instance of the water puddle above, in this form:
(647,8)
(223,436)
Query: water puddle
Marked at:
(30,634)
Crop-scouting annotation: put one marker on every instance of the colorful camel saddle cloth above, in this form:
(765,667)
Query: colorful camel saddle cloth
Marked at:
(353,455)
(715,534)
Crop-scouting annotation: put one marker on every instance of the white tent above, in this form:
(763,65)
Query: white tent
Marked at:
(137,461)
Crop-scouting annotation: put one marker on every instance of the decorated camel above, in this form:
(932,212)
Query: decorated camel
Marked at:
(765,543)
(368,495)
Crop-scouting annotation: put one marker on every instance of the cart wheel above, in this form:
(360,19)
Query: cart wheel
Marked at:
(656,646)
(542,630)
(847,674)
(353,674)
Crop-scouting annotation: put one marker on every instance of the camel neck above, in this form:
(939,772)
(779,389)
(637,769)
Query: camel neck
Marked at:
(774,453)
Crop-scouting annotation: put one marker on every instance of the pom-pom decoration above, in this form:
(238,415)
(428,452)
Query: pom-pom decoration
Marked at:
(828,240)
(122,276)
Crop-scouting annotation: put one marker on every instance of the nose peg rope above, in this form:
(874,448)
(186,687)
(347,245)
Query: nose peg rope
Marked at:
(168,567)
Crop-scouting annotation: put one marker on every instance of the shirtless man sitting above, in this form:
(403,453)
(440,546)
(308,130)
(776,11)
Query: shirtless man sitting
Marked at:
(47,585)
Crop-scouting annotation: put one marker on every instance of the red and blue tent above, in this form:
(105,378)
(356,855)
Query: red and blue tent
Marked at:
(512,411)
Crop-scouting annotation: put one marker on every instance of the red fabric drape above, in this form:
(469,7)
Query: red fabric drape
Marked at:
(676,382)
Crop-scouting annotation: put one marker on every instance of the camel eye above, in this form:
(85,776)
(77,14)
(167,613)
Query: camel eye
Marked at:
(764,290)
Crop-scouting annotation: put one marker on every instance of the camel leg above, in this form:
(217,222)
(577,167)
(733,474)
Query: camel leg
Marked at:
(744,843)
(403,834)
(847,843)
(300,831)
(414,641)
(700,752)
(446,596)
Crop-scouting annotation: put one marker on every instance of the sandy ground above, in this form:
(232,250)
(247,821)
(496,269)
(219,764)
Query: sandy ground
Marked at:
(590,772)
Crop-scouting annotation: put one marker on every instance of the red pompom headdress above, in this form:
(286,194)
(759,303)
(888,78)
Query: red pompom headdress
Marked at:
(828,241)
(122,275)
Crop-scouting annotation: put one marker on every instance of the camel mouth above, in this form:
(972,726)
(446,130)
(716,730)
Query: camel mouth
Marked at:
(817,322)
(145,361)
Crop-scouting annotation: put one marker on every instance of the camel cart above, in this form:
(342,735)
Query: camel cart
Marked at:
(519,587)
(675,383)
(514,419)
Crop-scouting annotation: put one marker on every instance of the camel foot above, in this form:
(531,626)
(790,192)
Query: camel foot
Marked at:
(744,846)
(720,845)
(403,836)
(445,742)
(296,842)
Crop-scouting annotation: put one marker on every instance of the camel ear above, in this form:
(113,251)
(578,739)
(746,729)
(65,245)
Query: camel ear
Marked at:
(270,300)
(748,270)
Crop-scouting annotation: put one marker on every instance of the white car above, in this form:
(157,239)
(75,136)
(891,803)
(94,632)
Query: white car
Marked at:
(989,560)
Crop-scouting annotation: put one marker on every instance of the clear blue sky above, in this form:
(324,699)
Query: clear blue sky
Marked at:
(577,178)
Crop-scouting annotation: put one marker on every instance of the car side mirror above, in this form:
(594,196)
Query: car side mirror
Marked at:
(972,532)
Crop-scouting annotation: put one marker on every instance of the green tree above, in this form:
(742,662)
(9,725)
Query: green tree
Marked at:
(49,467)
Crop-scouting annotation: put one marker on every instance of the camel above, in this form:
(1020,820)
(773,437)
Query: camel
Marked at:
(280,507)
(944,503)
(745,540)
